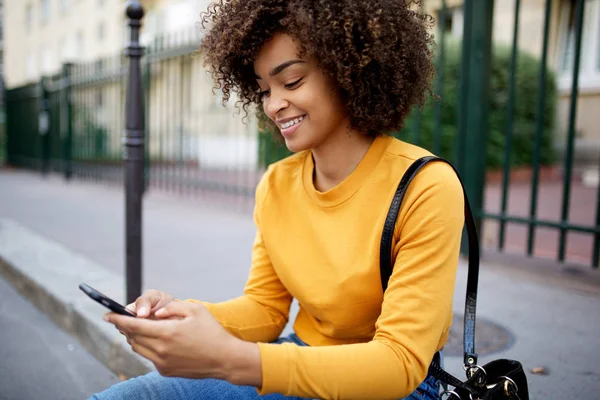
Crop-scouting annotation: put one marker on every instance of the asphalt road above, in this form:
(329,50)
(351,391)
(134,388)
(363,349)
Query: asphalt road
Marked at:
(40,361)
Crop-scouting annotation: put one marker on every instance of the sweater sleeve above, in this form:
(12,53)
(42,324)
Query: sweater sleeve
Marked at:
(260,315)
(416,310)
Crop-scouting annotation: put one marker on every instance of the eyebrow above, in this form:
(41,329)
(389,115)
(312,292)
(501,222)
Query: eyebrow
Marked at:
(278,69)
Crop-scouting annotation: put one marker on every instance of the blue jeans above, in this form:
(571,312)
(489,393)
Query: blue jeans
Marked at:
(154,386)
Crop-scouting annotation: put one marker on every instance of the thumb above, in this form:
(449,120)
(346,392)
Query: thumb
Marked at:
(179,309)
(142,306)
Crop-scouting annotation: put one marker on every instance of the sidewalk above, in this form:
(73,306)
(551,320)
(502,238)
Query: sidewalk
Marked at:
(194,250)
(38,360)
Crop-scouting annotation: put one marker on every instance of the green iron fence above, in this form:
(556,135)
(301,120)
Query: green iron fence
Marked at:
(194,145)
(496,114)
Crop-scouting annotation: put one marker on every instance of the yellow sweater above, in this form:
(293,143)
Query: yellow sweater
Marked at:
(322,248)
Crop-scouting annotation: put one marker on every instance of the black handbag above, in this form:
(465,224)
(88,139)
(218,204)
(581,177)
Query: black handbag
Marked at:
(496,380)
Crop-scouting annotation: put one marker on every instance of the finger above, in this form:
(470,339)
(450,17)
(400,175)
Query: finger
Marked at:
(164,300)
(177,309)
(152,344)
(131,307)
(143,351)
(108,316)
(144,303)
(136,326)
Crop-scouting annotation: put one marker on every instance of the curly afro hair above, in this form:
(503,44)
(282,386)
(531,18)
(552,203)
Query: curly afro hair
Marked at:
(377,52)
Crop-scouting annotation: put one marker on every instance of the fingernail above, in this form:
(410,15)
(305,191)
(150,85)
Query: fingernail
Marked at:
(106,318)
(142,311)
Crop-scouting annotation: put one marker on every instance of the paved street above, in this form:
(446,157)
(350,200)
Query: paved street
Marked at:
(239,184)
(202,243)
(192,249)
(38,360)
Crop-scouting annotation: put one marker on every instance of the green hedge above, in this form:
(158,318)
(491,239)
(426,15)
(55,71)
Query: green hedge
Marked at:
(272,149)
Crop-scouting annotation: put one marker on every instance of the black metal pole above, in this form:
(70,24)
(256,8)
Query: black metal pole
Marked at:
(134,155)
(44,125)
(66,122)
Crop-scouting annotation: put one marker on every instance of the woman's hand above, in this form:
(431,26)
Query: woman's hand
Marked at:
(186,341)
(147,304)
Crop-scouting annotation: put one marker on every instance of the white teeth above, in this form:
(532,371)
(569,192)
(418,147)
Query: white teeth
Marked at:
(292,122)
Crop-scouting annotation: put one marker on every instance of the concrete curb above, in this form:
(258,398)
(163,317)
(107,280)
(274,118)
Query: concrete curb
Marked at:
(48,275)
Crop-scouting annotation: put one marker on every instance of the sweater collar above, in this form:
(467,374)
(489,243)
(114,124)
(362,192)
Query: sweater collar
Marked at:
(349,186)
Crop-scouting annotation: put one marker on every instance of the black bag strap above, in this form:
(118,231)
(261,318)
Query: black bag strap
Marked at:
(386,266)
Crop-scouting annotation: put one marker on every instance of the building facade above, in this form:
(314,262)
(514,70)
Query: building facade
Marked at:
(41,35)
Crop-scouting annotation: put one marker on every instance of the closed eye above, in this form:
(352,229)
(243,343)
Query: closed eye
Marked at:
(291,85)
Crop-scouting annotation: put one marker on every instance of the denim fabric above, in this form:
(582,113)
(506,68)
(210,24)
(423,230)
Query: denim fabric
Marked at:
(153,386)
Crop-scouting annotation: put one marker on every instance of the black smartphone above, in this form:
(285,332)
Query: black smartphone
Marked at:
(106,301)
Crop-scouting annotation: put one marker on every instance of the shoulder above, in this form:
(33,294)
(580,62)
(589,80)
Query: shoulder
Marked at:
(436,174)
(404,150)
(435,190)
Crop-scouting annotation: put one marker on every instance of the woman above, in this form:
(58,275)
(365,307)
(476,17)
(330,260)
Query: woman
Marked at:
(333,77)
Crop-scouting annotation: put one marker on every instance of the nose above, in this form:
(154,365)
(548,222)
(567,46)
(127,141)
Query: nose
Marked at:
(275,103)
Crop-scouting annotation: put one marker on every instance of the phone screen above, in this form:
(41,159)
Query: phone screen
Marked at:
(106,301)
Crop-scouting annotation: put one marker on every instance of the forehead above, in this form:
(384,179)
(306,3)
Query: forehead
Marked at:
(276,51)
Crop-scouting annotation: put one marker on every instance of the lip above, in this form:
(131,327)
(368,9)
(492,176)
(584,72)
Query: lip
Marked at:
(291,129)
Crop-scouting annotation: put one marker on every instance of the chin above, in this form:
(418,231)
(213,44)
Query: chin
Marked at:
(296,145)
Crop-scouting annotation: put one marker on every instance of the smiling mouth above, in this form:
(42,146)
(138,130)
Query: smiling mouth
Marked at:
(292,123)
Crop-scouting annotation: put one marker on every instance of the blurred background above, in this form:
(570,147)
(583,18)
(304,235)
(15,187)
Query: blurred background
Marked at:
(517,110)
(64,73)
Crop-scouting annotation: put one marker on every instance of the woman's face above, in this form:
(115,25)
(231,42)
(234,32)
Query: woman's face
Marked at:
(297,96)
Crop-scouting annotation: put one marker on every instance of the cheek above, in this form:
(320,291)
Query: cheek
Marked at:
(324,100)
(316,103)
(326,111)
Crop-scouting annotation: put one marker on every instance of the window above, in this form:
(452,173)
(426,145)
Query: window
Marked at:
(45,60)
(62,49)
(589,69)
(29,17)
(80,45)
(44,10)
(452,21)
(30,67)
(101,31)
(69,52)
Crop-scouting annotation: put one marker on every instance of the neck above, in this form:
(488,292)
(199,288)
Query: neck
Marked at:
(336,158)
